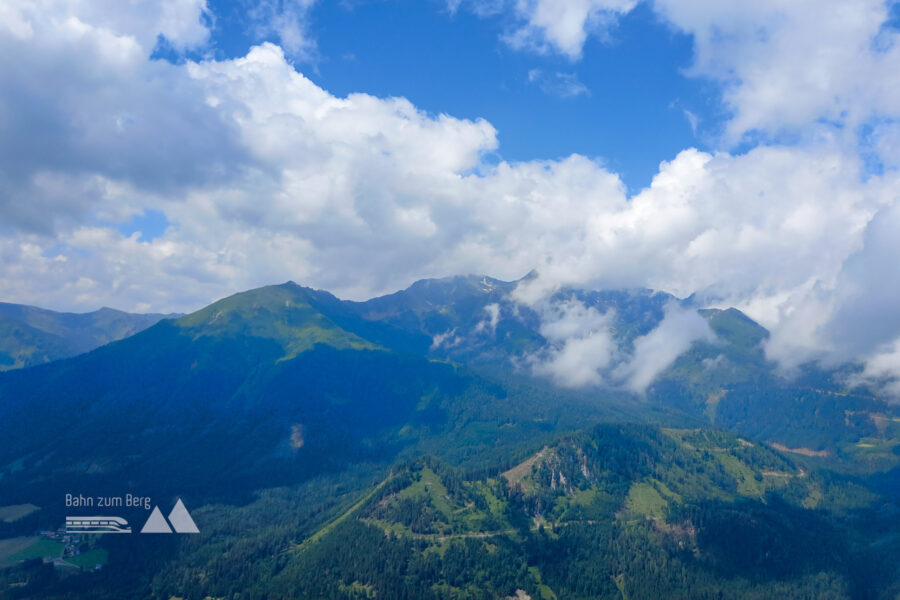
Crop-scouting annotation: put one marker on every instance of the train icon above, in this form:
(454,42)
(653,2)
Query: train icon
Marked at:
(97,525)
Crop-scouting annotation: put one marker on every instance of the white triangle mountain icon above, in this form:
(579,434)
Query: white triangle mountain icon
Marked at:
(156,523)
(179,517)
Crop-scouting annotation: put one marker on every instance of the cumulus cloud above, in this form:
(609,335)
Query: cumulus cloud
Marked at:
(563,25)
(856,318)
(721,225)
(120,30)
(786,65)
(264,176)
(87,120)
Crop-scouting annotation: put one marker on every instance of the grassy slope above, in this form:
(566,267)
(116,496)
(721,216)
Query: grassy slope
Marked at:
(12,546)
(41,548)
(14,512)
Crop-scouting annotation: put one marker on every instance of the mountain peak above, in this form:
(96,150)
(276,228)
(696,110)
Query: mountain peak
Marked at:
(451,289)
(289,314)
(484,282)
(734,325)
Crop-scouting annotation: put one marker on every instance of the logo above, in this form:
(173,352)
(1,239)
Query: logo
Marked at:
(179,521)
(97,525)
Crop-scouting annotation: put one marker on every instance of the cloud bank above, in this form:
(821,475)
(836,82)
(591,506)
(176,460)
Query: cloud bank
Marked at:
(583,350)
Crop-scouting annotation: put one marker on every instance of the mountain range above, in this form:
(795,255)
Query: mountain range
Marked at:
(427,444)
(32,336)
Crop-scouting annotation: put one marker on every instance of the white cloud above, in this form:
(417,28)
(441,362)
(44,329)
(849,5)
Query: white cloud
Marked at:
(882,370)
(568,319)
(867,290)
(448,339)
(886,140)
(692,119)
(787,65)
(578,362)
(720,225)
(493,311)
(657,351)
(289,21)
(179,21)
(581,343)
(583,352)
(482,8)
(563,25)
(564,85)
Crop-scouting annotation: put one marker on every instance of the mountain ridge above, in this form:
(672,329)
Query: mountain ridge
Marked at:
(30,335)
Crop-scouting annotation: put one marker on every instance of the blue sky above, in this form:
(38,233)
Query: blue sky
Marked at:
(630,115)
